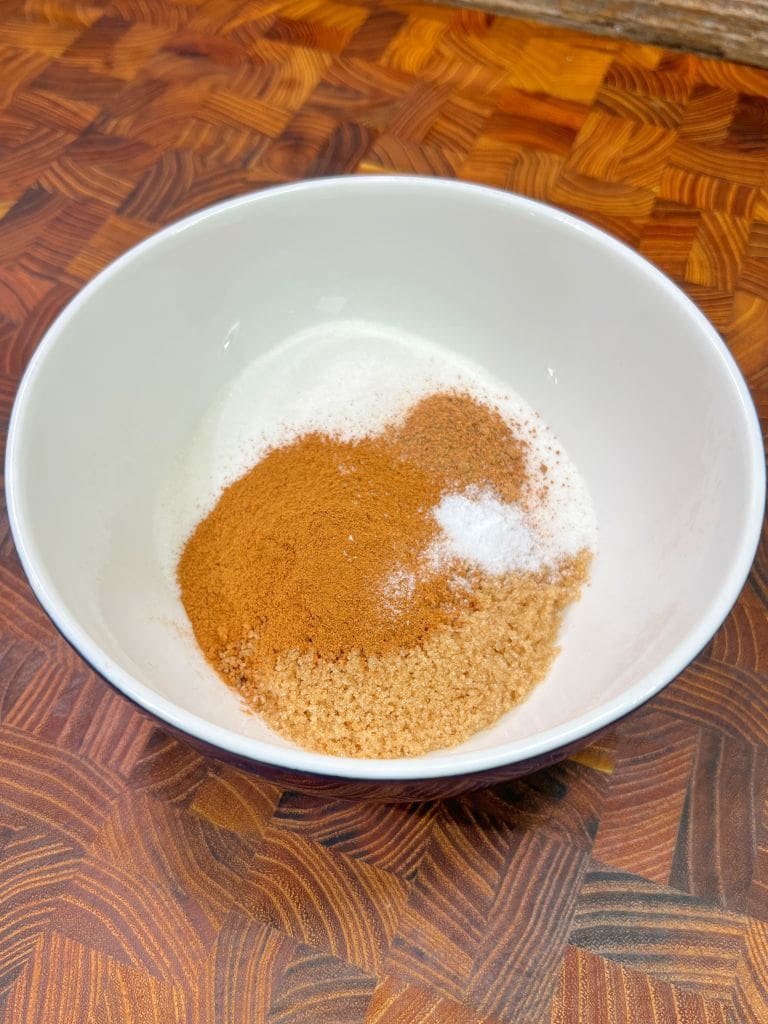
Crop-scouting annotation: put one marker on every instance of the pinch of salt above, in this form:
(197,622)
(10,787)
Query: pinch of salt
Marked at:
(400,584)
(490,534)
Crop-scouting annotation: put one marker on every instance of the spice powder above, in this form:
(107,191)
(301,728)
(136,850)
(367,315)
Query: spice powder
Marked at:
(321,588)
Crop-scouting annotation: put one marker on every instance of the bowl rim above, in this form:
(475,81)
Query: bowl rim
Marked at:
(436,765)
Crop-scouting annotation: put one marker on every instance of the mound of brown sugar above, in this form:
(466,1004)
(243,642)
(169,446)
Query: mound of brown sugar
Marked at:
(310,589)
(426,696)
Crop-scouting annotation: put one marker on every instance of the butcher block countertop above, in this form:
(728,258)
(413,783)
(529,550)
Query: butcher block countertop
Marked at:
(141,883)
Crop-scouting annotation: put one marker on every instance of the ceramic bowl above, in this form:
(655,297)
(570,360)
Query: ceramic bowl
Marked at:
(635,381)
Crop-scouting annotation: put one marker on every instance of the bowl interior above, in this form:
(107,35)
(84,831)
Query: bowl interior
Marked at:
(635,382)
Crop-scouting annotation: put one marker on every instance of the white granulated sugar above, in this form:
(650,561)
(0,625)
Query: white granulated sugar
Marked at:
(563,523)
(479,528)
(350,379)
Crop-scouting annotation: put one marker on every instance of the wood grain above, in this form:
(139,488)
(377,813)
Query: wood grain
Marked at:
(737,31)
(142,883)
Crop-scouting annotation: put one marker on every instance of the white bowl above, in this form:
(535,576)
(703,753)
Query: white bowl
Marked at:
(638,385)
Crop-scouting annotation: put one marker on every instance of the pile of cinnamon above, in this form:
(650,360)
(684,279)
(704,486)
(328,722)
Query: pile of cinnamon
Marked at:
(311,589)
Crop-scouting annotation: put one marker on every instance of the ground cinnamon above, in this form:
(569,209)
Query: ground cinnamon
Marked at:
(299,551)
(464,442)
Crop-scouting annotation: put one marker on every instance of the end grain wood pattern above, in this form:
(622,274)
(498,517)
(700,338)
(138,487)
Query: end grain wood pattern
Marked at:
(738,31)
(140,882)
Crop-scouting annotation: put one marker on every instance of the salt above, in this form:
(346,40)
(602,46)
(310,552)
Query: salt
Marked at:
(399,588)
(479,528)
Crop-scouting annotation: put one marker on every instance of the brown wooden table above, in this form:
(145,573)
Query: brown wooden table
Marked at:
(141,883)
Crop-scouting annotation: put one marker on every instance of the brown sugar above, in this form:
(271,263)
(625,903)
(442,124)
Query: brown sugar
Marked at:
(310,588)
(428,696)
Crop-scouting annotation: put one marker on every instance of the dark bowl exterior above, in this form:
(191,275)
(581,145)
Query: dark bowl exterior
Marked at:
(383,791)
(386,791)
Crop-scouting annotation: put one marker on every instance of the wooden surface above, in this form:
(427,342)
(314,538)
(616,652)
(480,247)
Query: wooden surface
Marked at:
(141,883)
(737,29)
